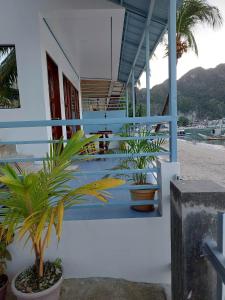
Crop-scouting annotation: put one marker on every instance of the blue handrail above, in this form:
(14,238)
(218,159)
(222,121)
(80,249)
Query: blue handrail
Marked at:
(112,156)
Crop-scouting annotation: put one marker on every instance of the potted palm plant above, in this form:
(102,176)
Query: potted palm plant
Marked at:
(4,257)
(34,204)
(141,146)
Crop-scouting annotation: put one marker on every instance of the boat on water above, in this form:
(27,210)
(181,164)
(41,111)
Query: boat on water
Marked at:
(212,138)
(216,134)
(181,132)
(215,138)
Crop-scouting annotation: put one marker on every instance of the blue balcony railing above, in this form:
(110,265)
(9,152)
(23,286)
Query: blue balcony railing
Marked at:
(95,166)
(215,253)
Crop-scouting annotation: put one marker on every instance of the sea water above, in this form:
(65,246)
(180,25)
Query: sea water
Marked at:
(192,134)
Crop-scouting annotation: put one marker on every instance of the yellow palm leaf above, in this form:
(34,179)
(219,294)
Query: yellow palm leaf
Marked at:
(34,203)
(25,228)
(102,184)
(60,215)
(41,227)
(49,230)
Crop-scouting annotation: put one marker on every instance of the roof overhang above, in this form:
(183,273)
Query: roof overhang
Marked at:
(136,18)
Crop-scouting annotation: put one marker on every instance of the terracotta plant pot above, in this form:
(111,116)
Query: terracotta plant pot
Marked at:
(142,195)
(3,289)
(53,293)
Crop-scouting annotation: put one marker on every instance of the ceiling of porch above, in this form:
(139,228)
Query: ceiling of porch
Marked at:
(92,89)
(134,26)
(102,37)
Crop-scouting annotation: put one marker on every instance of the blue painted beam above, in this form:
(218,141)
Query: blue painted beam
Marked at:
(21,159)
(215,257)
(128,62)
(114,138)
(85,157)
(117,203)
(147,51)
(124,35)
(119,171)
(127,103)
(147,23)
(121,155)
(221,249)
(133,94)
(138,187)
(143,15)
(173,79)
(44,123)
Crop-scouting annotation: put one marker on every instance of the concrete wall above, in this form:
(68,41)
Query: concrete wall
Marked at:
(134,249)
(27,31)
(23,31)
(32,39)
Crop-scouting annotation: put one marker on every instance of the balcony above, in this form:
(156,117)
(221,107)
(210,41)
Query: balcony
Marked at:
(110,240)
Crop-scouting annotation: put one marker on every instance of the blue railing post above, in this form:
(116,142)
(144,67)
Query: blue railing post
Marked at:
(127,101)
(147,72)
(221,249)
(172,80)
(133,94)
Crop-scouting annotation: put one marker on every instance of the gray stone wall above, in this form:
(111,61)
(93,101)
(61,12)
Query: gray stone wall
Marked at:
(194,207)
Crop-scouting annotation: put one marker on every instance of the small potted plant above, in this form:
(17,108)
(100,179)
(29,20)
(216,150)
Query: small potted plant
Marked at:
(140,146)
(4,257)
(34,205)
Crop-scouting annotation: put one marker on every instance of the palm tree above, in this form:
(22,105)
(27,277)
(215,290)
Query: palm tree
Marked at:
(190,14)
(32,204)
(8,68)
(8,75)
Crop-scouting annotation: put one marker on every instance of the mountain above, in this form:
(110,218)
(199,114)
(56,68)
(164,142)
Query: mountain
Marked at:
(200,92)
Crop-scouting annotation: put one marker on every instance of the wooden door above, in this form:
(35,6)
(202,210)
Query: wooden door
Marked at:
(54,96)
(72,108)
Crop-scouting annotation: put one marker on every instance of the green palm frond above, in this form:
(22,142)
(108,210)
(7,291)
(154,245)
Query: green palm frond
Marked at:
(8,68)
(190,14)
(142,146)
(34,203)
(193,13)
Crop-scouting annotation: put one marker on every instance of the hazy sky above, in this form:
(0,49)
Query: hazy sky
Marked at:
(211,46)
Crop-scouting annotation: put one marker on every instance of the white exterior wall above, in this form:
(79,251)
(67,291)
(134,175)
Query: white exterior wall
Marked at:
(23,31)
(133,249)
(50,46)
(32,39)
(27,31)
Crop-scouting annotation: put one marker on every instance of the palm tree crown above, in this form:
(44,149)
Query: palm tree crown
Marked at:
(190,14)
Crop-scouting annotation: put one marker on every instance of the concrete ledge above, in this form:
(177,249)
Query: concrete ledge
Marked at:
(108,289)
(199,192)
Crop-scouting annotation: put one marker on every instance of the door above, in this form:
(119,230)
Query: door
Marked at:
(72,108)
(54,96)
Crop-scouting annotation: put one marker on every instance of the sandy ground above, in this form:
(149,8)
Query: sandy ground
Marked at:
(202,161)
